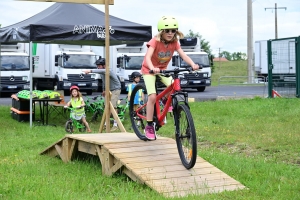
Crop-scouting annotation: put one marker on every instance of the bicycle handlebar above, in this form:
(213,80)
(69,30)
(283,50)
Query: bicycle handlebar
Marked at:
(175,70)
(71,108)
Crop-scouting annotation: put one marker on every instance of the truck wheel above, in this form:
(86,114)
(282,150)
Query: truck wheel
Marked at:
(201,89)
(89,92)
(124,91)
(66,92)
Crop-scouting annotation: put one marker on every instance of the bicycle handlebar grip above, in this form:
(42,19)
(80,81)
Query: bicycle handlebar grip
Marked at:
(160,71)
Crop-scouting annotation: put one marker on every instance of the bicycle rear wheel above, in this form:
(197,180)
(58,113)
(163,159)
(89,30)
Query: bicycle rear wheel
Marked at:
(138,119)
(185,136)
(69,126)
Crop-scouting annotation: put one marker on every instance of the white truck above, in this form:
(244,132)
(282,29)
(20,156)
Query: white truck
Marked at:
(201,78)
(127,59)
(283,60)
(15,69)
(59,66)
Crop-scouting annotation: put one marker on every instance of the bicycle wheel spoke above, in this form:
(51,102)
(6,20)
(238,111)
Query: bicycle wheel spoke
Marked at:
(138,119)
(186,138)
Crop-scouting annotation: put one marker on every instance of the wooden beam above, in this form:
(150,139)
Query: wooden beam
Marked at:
(110,2)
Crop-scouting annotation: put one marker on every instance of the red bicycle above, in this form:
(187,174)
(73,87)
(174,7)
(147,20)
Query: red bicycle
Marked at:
(185,132)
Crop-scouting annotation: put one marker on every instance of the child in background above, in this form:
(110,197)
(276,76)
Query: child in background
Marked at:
(136,77)
(77,102)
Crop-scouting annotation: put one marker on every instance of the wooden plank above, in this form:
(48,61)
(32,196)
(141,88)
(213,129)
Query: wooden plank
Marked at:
(182,178)
(100,154)
(153,164)
(104,138)
(202,191)
(108,162)
(72,149)
(68,147)
(60,152)
(139,143)
(50,152)
(87,148)
(132,176)
(143,148)
(159,163)
(150,158)
(51,146)
(177,169)
(194,187)
(206,167)
(213,179)
(116,166)
(145,153)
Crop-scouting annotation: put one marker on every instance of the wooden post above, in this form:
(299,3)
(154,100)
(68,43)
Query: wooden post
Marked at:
(108,106)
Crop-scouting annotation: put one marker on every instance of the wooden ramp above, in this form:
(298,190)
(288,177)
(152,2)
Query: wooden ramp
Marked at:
(154,163)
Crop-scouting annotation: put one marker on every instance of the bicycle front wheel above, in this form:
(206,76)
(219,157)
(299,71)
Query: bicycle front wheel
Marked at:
(138,117)
(185,136)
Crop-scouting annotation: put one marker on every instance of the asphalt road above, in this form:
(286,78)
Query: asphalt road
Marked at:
(211,93)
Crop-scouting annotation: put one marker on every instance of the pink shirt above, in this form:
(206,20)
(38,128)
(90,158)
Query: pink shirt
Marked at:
(161,55)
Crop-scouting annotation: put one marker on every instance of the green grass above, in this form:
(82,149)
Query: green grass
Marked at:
(255,141)
(229,68)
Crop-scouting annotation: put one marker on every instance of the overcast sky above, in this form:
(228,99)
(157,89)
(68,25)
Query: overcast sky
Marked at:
(221,22)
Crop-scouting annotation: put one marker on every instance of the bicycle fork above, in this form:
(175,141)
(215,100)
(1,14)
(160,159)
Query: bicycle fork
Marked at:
(177,98)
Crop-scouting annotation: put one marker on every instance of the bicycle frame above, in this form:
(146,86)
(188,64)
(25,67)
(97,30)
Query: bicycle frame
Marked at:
(171,91)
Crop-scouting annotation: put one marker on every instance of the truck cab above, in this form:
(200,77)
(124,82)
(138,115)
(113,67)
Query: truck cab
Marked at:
(201,78)
(71,65)
(129,59)
(15,68)
(59,66)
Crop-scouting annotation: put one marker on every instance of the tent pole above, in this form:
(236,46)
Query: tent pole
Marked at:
(30,81)
(0,67)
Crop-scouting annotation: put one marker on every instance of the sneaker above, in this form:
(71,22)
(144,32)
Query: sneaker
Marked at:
(150,133)
(114,128)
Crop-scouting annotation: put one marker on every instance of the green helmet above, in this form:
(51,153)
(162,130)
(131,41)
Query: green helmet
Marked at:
(43,95)
(36,93)
(48,91)
(167,22)
(24,94)
(54,95)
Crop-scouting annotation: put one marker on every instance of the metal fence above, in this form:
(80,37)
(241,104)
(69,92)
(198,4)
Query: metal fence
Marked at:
(283,67)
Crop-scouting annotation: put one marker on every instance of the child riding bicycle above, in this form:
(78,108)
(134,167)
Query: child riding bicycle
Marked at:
(159,53)
(77,101)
